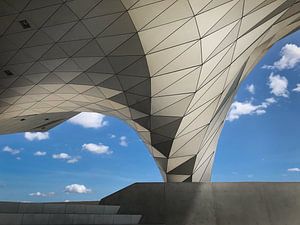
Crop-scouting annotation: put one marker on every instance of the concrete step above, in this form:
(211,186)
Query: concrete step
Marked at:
(66,219)
(11,207)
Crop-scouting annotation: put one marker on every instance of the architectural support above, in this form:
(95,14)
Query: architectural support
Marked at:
(169,68)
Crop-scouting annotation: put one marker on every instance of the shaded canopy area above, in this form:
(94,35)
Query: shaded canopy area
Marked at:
(168,68)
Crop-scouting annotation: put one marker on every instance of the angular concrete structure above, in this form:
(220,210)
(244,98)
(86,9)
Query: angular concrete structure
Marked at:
(81,213)
(168,68)
(170,204)
(211,203)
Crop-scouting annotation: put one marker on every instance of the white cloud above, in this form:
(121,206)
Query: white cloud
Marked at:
(64,156)
(297,89)
(31,136)
(77,188)
(73,160)
(61,156)
(278,85)
(123,141)
(294,169)
(11,150)
(290,57)
(112,136)
(97,148)
(260,111)
(270,100)
(89,120)
(40,194)
(251,88)
(239,109)
(40,153)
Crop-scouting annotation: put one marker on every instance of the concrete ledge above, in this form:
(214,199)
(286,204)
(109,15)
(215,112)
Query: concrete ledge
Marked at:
(211,203)
(38,208)
(67,219)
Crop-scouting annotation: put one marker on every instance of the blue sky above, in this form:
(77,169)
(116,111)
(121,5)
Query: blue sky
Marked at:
(86,161)
(103,159)
(263,143)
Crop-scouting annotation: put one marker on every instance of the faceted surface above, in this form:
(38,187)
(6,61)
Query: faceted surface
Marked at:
(169,68)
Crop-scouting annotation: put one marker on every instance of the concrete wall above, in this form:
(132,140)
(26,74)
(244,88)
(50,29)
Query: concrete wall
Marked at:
(57,208)
(211,203)
(13,213)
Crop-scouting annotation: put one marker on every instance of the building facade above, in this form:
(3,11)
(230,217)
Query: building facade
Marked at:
(169,68)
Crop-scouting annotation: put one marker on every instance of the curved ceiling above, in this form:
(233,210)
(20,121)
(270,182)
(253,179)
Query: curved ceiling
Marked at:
(169,68)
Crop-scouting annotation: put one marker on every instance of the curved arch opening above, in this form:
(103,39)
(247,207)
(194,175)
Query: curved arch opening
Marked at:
(84,158)
(260,139)
(138,63)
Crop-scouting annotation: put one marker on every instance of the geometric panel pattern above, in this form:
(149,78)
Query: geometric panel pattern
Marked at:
(169,68)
